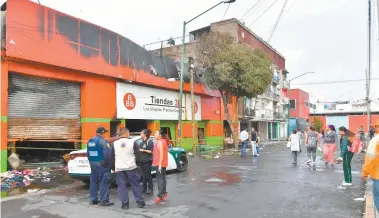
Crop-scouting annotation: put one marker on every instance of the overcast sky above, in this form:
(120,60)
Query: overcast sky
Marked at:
(323,36)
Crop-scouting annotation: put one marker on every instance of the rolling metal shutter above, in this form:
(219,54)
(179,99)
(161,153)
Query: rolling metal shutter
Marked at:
(43,109)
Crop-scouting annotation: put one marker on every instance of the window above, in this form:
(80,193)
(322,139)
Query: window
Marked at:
(292,104)
(307,104)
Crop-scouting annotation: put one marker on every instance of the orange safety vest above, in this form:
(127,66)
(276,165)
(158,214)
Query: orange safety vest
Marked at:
(371,165)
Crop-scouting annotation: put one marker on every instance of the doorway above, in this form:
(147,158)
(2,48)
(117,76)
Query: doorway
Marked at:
(136,126)
(201,136)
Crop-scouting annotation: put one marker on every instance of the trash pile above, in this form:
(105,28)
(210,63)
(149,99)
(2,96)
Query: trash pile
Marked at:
(16,179)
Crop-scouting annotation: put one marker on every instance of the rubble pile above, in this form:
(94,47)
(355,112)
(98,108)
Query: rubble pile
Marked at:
(16,179)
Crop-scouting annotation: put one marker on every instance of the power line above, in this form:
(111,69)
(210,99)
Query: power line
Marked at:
(264,12)
(277,21)
(289,8)
(337,81)
(250,9)
(226,11)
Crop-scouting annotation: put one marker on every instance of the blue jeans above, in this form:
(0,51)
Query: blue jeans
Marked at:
(243,150)
(100,179)
(375,192)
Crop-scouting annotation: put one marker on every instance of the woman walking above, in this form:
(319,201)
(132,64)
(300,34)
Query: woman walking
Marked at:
(146,147)
(330,142)
(322,139)
(311,141)
(294,144)
(345,156)
(160,161)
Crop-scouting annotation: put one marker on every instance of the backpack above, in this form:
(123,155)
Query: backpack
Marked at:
(312,141)
(356,146)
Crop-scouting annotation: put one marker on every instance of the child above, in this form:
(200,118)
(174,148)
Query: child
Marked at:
(345,156)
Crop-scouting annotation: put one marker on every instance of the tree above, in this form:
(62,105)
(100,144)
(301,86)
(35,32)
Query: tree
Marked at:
(317,124)
(233,69)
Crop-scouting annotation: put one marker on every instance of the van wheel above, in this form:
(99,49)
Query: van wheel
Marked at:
(182,162)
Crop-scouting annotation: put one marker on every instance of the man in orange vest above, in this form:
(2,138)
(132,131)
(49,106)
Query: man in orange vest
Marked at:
(371,166)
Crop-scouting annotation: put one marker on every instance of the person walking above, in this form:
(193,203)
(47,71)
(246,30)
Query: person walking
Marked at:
(254,141)
(372,132)
(160,161)
(345,156)
(100,159)
(146,148)
(371,165)
(294,144)
(127,155)
(311,142)
(322,139)
(330,142)
(244,137)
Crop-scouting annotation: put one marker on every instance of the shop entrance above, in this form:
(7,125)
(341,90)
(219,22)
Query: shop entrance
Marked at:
(136,125)
(42,153)
(168,127)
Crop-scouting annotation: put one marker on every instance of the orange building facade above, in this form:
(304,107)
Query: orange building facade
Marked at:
(62,77)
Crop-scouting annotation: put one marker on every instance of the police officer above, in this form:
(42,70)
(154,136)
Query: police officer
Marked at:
(99,156)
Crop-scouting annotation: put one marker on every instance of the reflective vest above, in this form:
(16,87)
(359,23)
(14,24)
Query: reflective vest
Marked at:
(371,165)
(94,151)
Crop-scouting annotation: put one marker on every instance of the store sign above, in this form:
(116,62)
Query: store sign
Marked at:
(139,102)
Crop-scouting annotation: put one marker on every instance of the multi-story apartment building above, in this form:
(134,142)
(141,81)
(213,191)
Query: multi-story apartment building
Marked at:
(267,112)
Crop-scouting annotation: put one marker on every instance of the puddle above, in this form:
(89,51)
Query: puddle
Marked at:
(224,178)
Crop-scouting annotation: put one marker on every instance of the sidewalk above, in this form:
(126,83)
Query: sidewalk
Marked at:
(370,211)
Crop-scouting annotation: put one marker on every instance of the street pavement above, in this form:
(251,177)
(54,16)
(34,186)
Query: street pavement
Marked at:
(230,187)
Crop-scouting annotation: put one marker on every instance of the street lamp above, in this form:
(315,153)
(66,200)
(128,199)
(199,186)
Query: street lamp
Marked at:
(289,99)
(182,67)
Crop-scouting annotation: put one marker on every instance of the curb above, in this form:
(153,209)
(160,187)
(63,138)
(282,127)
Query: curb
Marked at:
(369,207)
(43,191)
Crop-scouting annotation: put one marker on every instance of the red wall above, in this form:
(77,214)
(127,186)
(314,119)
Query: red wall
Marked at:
(34,36)
(254,42)
(355,121)
(301,98)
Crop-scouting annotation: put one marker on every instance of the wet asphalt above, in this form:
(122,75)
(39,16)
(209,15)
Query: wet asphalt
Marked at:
(230,187)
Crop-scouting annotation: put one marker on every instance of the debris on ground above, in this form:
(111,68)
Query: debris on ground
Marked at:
(14,161)
(16,179)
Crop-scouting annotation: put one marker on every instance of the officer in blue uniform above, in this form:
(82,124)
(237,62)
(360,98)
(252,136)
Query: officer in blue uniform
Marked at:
(99,155)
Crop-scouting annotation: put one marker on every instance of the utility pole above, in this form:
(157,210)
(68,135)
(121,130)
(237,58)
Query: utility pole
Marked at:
(194,132)
(368,72)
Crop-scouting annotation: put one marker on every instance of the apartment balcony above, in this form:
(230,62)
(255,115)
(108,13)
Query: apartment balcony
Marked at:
(286,84)
(275,97)
(275,79)
(279,116)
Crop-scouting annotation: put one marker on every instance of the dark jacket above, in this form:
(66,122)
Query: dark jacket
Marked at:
(147,145)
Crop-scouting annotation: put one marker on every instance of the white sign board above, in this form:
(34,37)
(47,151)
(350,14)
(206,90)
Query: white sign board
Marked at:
(145,103)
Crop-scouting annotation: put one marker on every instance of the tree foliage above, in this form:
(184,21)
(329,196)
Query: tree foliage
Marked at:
(233,69)
(317,124)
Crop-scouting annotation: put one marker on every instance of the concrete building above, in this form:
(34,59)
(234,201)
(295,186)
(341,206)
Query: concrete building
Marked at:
(267,112)
(299,104)
(62,77)
(351,114)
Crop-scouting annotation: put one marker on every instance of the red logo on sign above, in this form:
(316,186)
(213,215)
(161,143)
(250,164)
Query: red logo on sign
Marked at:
(129,101)
(196,107)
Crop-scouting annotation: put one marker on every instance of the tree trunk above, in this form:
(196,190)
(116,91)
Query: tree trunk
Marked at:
(235,135)
(229,118)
